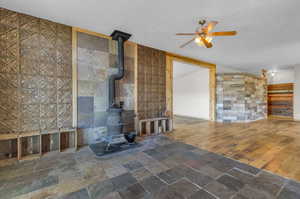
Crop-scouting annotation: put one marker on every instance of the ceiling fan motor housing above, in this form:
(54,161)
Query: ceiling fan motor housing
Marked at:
(202,22)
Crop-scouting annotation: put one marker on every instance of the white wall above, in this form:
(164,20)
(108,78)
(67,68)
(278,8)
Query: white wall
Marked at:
(281,76)
(190,90)
(297,93)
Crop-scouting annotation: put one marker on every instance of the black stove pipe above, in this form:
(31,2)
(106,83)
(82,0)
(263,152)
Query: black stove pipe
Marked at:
(120,37)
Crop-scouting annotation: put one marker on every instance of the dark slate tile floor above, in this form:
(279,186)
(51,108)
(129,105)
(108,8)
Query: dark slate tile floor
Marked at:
(162,169)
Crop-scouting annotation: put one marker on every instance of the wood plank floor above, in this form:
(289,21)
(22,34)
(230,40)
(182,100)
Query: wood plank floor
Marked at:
(273,145)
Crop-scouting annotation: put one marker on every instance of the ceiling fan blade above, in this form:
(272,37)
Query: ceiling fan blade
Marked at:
(186,33)
(225,33)
(211,25)
(205,42)
(188,42)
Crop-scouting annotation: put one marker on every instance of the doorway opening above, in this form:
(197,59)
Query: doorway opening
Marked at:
(190,90)
(190,93)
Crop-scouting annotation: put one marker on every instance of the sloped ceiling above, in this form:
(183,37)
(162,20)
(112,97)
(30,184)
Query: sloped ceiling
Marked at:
(268,30)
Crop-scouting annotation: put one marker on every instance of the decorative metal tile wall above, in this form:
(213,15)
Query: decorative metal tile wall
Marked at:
(151,82)
(35,73)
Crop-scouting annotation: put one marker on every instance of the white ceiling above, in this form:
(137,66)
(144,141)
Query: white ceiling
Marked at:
(268,30)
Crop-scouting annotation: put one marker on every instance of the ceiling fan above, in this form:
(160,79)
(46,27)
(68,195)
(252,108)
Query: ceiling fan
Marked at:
(203,35)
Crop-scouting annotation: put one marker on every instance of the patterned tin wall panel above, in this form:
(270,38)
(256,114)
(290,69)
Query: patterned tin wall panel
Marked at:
(151,82)
(35,73)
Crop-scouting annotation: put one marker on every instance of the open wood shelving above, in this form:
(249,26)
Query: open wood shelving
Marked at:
(280,101)
(8,154)
(155,126)
(35,144)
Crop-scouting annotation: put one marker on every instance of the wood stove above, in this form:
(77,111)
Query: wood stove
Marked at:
(114,119)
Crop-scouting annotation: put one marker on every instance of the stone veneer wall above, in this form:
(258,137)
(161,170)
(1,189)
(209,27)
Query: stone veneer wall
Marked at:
(35,73)
(97,60)
(241,97)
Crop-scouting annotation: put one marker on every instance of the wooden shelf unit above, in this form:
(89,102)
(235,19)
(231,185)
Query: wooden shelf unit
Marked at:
(8,154)
(280,101)
(154,126)
(33,145)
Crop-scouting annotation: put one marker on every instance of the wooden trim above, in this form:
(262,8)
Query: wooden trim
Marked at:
(29,134)
(179,58)
(59,142)
(212,94)
(170,58)
(277,117)
(76,29)
(280,94)
(8,136)
(76,140)
(276,87)
(136,86)
(154,119)
(74,75)
(19,156)
(169,85)
(31,157)
(41,145)
(67,130)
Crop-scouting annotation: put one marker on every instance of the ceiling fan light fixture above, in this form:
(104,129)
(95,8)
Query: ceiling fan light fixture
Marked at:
(204,35)
(208,39)
(199,41)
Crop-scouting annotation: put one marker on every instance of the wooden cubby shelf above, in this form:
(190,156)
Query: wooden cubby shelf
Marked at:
(155,126)
(8,149)
(32,145)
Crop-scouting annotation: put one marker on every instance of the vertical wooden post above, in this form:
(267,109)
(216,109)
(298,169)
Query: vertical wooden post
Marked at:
(169,85)
(137,126)
(148,127)
(140,128)
(163,125)
(59,141)
(156,130)
(212,93)
(170,124)
(76,139)
(74,75)
(41,152)
(10,148)
(19,140)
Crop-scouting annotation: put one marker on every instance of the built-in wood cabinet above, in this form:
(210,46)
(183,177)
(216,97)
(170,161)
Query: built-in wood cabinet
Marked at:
(280,100)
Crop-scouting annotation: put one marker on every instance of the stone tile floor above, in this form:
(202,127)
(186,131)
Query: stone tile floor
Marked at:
(160,169)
